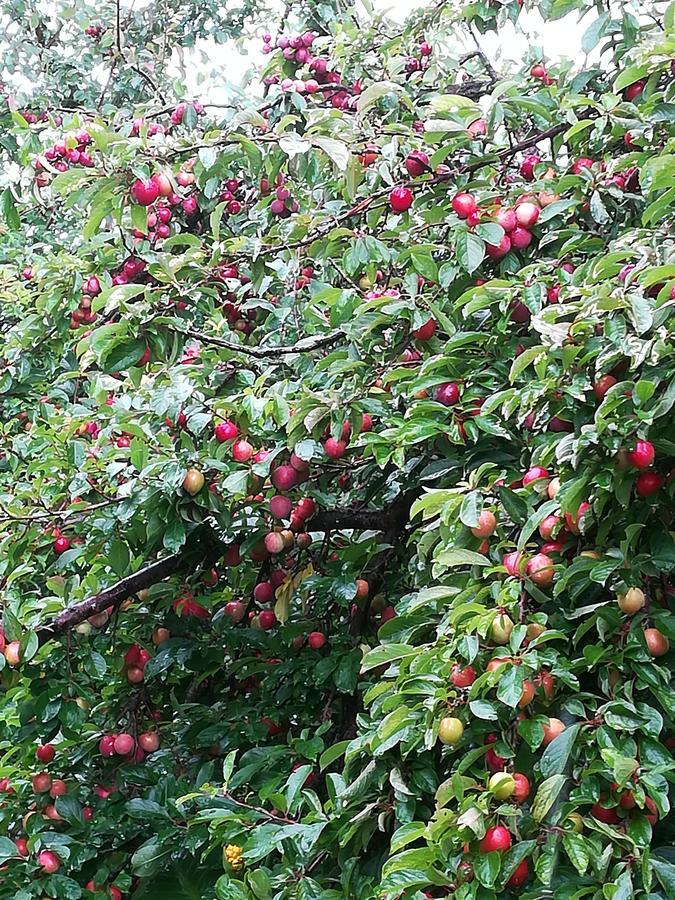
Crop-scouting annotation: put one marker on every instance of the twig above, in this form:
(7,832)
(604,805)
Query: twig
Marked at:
(492,72)
(55,513)
(304,345)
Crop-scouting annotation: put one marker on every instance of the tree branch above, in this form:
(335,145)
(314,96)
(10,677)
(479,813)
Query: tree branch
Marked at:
(304,345)
(206,549)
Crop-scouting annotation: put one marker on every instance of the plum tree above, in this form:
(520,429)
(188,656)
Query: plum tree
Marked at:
(336,459)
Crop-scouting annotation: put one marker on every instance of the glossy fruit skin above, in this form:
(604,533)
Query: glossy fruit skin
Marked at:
(143,192)
(506,218)
(61,544)
(425,332)
(496,838)
(540,570)
(535,473)
(651,812)
(602,385)
(549,527)
(528,694)
(284,478)
(316,640)
(149,741)
(462,677)
(634,90)
(45,753)
(124,744)
(514,563)
(642,455)
(193,481)
(608,816)
(401,199)
(572,521)
(486,525)
(335,449)
(496,251)
(502,785)
(632,601)
(647,484)
(520,875)
(527,214)
(450,730)
(106,746)
(417,163)
(242,451)
(522,789)
(41,783)
(580,164)
(225,431)
(447,394)
(267,619)
(657,643)
(48,861)
(576,821)
(464,205)
(501,629)
(552,729)
(494,761)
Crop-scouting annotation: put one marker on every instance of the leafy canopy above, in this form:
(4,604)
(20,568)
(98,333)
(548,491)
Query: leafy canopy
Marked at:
(336,460)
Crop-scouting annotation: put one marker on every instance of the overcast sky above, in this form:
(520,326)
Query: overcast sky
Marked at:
(556,40)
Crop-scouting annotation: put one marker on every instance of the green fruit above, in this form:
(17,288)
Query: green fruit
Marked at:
(450,730)
(502,785)
(501,629)
(576,822)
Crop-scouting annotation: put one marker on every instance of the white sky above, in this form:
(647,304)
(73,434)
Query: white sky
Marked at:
(560,39)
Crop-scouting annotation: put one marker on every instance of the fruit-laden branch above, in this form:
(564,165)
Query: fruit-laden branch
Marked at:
(206,549)
(440,178)
(203,550)
(304,345)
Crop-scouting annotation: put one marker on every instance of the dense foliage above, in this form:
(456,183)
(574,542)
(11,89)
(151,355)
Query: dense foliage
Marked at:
(337,458)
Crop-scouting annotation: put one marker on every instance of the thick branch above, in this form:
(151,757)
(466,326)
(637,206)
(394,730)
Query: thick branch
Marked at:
(204,549)
(394,516)
(113,596)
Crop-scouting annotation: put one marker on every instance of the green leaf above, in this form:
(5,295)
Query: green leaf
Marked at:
(547,794)
(123,355)
(486,868)
(470,250)
(577,850)
(139,217)
(149,858)
(458,557)
(555,757)
(338,151)
(375,92)
(329,756)
(9,213)
(216,218)
(629,75)
(471,508)
(119,557)
(665,872)
(535,521)
(385,654)
(8,849)
(595,31)
(483,709)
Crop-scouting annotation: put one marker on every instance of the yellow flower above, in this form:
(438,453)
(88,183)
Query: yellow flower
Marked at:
(233,856)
